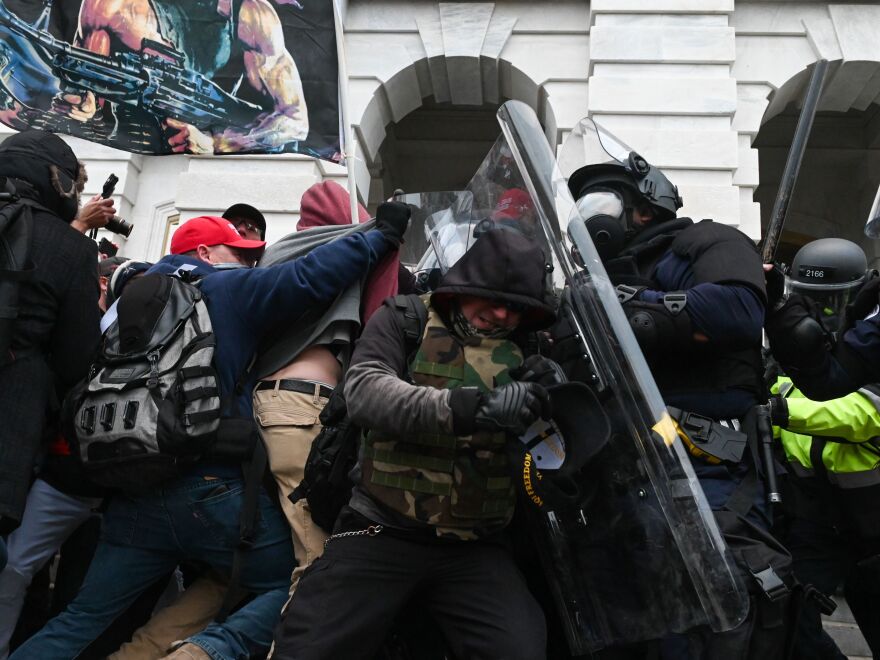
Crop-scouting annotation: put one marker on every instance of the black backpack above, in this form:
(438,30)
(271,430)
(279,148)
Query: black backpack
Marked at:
(151,402)
(326,484)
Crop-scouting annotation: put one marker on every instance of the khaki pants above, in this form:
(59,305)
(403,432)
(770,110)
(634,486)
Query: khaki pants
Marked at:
(190,613)
(289,423)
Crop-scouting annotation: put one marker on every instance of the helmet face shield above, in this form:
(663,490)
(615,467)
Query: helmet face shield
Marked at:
(831,299)
(605,214)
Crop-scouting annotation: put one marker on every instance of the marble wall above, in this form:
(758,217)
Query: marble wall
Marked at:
(688,83)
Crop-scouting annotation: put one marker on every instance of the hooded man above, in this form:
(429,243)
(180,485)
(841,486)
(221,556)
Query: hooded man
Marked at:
(434,490)
(55,334)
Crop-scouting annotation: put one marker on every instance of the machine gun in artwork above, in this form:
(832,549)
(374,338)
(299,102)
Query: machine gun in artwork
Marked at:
(155,79)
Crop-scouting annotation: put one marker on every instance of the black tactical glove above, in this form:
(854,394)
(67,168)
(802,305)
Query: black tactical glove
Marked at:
(392,219)
(775,280)
(797,337)
(539,369)
(512,408)
(778,411)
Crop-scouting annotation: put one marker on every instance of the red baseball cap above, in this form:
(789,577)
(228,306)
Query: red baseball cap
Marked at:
(209,230)
(513,204)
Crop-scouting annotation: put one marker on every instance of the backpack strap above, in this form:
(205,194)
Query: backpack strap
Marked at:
(413,315)
(249,516)
(253,469)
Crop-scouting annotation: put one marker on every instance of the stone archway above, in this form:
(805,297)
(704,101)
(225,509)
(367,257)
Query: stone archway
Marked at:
(841,167)
(459,69)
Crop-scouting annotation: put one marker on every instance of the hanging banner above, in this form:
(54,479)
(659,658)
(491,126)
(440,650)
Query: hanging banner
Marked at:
(174,76)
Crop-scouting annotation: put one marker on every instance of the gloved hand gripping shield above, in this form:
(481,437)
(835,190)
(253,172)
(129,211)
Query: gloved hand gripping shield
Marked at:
(635,553)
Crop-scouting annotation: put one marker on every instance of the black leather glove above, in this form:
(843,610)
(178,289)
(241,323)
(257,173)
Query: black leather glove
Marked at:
(539,369)
(778,411)
(775,280)
(512,408)
(797,337)
(392,219)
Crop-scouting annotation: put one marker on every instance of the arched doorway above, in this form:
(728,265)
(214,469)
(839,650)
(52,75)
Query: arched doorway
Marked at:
(841,167)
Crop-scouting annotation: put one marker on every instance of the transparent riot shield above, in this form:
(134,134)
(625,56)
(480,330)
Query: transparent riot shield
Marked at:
(495,198)
(872,225)
(638,555)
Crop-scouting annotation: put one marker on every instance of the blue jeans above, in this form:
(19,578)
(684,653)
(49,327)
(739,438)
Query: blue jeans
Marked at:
(144,538)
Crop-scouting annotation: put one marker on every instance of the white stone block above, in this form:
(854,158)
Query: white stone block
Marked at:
(559,16)
(547,57)
(822,37)
(385,15)
(777,18)
(683,96)
(772,60)
(658,70)
(622,122)
(751,103)
(682,148)
(569,101)
(856,27)
(747,173)
(670,21)
(464,26)
(278,193)
(721,204)
(650,44)
(661,6)
(750,217)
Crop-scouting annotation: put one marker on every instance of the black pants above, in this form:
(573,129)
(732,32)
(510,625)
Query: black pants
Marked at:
(827,558)
(347,600)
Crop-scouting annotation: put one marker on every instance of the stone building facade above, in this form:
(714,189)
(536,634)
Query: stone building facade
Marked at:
(708,90)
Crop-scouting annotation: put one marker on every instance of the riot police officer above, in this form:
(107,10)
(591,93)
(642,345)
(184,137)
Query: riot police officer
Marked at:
(694,295)
(821,366)
(832,525)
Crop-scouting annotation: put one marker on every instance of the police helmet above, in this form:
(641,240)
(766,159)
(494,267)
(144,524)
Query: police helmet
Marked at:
(612,196)
(829,271)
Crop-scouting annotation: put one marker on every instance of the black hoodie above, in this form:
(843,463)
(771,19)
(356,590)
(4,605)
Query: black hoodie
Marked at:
(502,265)
(39,157)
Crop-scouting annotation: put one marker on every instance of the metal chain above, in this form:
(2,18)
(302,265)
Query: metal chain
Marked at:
(372,530)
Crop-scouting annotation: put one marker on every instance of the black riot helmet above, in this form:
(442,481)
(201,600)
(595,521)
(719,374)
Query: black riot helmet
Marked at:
(642,190)
(830,272)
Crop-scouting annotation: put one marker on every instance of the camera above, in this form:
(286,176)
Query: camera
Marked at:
(117,225)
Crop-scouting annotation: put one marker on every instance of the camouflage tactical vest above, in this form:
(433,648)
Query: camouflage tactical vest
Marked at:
(460,485)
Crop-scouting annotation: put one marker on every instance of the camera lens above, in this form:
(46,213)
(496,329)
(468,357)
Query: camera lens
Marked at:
(119,226)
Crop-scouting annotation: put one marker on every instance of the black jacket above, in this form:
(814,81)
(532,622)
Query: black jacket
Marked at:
(57,331)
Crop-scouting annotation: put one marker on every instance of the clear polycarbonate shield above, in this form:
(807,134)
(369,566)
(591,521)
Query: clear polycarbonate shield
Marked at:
(872,226)
(495,198)
(440,226)
(638,555)
(589,144)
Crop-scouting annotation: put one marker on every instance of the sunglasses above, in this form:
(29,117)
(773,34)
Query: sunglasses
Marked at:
(247,224)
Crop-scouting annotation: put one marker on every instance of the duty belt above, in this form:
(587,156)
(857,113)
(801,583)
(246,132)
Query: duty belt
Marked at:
(709,439)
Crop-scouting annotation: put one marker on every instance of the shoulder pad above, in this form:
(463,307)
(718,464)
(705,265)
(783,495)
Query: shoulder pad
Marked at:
(721,254)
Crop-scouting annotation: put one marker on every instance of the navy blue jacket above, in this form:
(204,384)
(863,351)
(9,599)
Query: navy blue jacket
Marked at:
(246,304)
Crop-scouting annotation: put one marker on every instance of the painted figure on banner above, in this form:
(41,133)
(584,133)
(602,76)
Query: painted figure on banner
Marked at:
(167,76)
